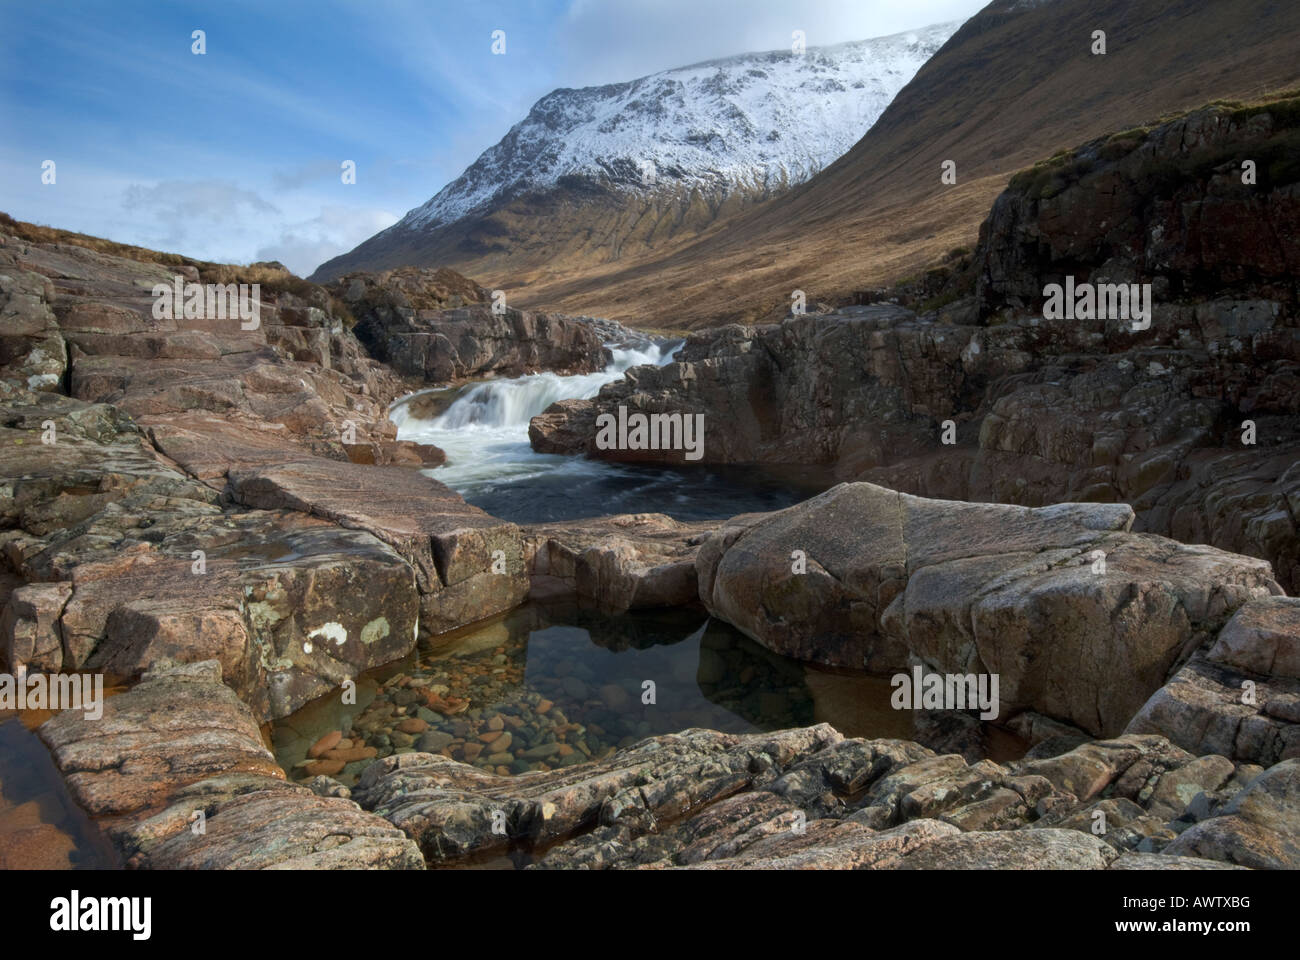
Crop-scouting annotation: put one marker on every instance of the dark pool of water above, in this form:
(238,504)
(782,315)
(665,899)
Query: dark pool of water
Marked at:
(583,489)
(41,826)
(568,683)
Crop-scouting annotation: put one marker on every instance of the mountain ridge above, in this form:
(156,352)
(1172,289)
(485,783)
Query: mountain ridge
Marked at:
(654,158)
(880,213)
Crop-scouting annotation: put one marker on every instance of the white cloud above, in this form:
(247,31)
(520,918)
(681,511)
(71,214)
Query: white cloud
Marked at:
(214,201)
(603,42)
(305,245)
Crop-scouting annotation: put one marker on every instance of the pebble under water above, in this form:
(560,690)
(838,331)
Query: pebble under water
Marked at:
(550,685)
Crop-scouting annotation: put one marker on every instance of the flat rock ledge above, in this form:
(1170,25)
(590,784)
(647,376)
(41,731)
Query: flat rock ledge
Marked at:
(177,775)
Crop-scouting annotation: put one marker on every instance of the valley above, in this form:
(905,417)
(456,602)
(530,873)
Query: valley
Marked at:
(698,481)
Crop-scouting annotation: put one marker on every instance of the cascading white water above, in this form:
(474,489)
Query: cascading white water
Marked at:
(512,403)
(485,430)
(491,464)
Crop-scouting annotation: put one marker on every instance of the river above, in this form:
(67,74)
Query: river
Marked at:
(491,464)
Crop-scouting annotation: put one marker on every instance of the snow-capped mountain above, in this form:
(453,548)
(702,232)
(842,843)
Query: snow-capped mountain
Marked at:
(753,124)
(754,120)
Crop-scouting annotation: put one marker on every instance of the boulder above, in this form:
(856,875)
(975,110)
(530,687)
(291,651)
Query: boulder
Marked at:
(624,562)
(862,576)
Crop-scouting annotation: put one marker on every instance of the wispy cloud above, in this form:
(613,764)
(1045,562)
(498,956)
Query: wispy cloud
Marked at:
(235,154)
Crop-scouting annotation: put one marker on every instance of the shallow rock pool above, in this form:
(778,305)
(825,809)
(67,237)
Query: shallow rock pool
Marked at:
(551,685)
(41,826)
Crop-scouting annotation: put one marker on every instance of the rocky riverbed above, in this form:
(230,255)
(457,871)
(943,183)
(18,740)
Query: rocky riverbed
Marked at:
(328,659)
(956,386)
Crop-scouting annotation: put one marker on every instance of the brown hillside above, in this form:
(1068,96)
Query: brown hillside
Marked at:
(1016,83)
(553,235)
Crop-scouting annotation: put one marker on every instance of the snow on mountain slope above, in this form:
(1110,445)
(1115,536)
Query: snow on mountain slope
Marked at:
(756,121)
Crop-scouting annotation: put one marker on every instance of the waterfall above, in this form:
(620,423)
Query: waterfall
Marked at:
(490,462)
(512,403)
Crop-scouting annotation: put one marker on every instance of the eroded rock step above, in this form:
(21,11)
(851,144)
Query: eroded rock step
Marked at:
(809,798)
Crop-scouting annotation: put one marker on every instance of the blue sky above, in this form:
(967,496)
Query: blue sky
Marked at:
(235,155)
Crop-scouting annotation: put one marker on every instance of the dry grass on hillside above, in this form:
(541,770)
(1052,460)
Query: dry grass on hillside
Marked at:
(273,278)
(1011,88)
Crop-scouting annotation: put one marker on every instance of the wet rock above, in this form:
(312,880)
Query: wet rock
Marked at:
(325,767)
(325,744)
(37,846)
(434,741)
(624,562)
